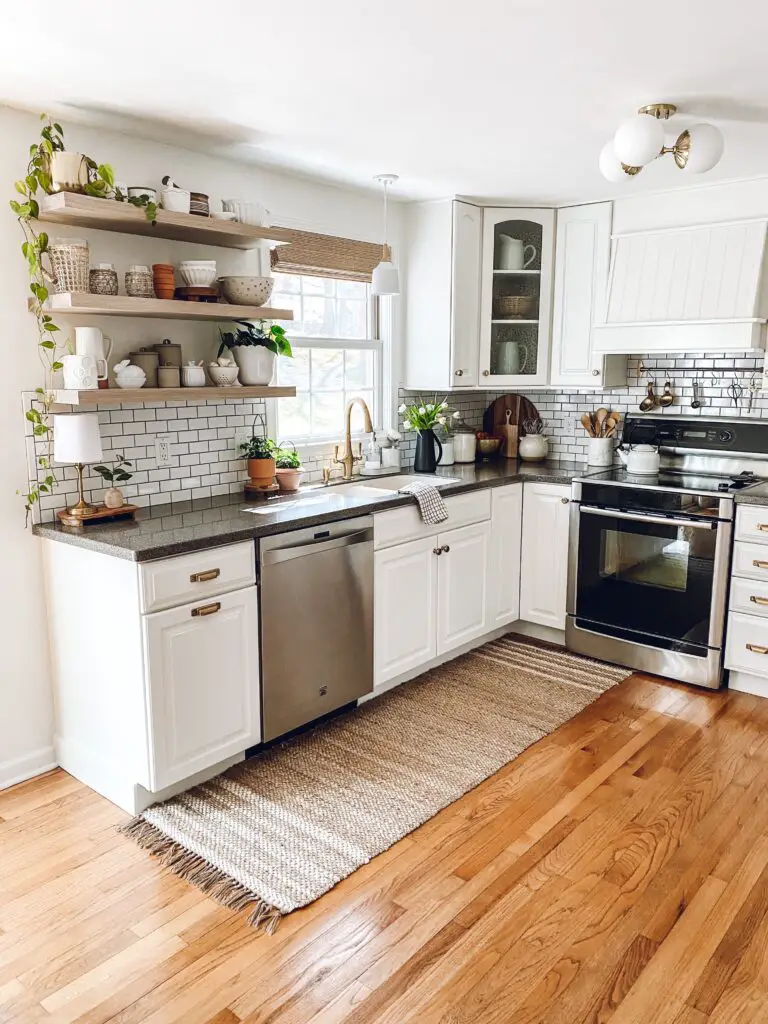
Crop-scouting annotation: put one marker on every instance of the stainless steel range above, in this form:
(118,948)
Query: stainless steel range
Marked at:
(649,555)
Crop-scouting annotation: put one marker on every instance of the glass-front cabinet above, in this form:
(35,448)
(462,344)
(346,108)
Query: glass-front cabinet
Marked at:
(516,296)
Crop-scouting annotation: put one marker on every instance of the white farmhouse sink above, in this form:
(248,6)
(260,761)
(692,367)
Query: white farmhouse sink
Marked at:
(394,483)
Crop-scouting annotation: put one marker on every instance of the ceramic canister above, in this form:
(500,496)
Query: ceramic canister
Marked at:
(168,377)
(169,353)
(464,446)
(148,360)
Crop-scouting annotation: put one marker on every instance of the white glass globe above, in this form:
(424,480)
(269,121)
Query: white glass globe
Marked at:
(639,140)
(707,145)
(610,165)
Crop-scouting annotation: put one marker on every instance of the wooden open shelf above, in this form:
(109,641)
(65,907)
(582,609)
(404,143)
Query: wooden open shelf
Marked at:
(116,396)
(86,304)
(109,215)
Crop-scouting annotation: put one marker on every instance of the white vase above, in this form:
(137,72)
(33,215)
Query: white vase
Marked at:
(447,457)
(533,447)
(256,363)
(113,497)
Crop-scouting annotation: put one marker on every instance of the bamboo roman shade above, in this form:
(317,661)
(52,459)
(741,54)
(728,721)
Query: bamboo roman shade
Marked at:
(326,256)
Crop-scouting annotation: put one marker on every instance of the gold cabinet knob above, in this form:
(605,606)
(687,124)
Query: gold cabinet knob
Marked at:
(486,373)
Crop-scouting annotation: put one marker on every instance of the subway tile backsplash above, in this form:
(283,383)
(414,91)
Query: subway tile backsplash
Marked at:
(561,410)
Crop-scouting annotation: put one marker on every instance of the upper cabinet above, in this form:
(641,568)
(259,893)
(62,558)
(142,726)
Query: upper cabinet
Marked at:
(443,295)
(582,259)
(516,297)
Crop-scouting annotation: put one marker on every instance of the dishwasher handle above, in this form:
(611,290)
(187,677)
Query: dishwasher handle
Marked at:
(315,547)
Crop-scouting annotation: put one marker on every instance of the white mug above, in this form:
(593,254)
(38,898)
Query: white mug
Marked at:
(512,253)
(79,373)
(89,341)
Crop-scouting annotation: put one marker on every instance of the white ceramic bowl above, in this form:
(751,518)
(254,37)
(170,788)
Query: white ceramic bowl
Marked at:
(131,380)
(246,290)
(224,215)
(198,273)
(223,376)
(247,213)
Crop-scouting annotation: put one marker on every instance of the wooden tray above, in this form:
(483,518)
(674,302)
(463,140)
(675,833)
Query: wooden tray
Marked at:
(100,514)
(495,420)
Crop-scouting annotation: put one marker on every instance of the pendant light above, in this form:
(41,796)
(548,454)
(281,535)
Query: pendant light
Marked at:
(385,279)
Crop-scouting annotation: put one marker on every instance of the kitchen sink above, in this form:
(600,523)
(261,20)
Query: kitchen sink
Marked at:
(394,483)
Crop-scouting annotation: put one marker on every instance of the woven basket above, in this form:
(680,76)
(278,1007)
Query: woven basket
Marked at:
(516,305)
(70,262)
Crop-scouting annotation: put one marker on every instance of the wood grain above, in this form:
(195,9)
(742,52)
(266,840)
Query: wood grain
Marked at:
(615,872)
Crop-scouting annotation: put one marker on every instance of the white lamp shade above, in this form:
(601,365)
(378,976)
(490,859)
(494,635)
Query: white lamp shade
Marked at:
(610,165)
(76,437)
(639,140)
(707,145)
(385,279)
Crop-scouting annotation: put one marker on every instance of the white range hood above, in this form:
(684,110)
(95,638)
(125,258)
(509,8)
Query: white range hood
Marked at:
(690,289)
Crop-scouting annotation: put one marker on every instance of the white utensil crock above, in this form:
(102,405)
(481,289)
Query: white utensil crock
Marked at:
(257,364)
(513,254)
(79,373)
(600,451)
(89,341)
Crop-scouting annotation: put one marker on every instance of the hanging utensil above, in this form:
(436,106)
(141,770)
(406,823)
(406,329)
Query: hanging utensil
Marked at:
(755,387)
(695,401)
(667,397)
(649,402)
(735,391)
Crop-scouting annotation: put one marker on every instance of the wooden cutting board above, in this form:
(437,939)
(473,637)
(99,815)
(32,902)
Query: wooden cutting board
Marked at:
(496,422)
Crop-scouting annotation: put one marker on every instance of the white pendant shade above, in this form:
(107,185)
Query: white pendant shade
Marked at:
(639,140)
(76,437)
(385,279)
(610,165)
(707,147)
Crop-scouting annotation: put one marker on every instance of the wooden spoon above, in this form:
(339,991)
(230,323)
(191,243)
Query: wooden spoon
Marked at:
(586,422)
(600,417)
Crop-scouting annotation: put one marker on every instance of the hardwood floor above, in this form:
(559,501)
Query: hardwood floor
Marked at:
(617,871)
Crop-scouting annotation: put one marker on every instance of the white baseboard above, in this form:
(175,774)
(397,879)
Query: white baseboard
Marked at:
(27,767)
(746,683)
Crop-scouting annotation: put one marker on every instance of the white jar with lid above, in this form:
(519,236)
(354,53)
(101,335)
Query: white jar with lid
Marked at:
(464,445)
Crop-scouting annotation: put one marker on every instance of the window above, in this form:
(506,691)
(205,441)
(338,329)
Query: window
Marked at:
(336,356)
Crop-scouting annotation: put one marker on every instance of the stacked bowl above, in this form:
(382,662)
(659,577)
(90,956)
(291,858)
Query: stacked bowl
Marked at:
(198,204)
(198,273)
(163,278)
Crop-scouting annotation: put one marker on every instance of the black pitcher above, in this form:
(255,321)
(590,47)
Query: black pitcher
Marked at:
(425,461)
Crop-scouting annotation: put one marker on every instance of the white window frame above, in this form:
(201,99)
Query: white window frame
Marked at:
(380,317)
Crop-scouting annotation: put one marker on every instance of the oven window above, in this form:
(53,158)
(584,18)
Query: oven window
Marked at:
(650,578)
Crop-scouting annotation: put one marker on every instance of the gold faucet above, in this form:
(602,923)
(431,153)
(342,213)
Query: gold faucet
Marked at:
(348,459)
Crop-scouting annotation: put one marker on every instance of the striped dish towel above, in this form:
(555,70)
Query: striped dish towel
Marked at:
(430,501)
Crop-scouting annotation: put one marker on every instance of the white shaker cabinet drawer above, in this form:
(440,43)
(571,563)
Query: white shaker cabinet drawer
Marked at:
(746,649)
(398,525)
(750,560)
(749,596)
(173,581)
(752,523)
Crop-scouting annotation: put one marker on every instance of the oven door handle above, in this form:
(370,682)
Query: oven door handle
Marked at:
(637,517)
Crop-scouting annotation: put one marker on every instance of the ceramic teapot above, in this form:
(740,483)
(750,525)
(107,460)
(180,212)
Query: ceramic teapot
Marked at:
(642,459)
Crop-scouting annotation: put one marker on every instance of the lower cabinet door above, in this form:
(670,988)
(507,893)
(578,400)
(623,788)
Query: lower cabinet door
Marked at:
(463,586)
(203,682)
(544,560)
(506,530)
(405,608)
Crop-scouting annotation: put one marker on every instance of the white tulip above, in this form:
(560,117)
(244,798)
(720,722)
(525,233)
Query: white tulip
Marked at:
(402,408)
(441,420)
(444,405)
(422,411)
(457,415)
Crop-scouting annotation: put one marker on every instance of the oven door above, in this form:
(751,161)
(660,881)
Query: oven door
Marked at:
(650,580)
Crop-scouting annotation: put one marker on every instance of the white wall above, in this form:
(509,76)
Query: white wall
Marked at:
(25,695)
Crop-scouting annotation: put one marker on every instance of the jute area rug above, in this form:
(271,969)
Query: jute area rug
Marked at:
(281,829)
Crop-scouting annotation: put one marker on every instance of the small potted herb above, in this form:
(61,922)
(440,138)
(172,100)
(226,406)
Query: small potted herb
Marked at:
(288,468)
(113,496)
(254,347)
(260,453)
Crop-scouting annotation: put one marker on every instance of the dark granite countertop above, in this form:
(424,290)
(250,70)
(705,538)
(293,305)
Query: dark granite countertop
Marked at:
(755,495)
(166,530)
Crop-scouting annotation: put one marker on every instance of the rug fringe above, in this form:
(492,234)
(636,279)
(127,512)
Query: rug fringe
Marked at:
(201,873)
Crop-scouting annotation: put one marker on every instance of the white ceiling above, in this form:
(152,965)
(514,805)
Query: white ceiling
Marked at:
(493,98)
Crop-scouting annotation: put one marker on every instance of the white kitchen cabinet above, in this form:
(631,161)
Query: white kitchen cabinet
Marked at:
(506,530)
(405,607)
(203,684)
(544,558)
(582,260)
(515,337)
(443,286)
(462,586)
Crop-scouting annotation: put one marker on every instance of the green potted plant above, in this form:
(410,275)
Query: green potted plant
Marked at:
(260,453)
(116,474)
(423,417)
(254,347)
(288,468)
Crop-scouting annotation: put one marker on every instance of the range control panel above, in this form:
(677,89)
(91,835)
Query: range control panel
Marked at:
(747,436)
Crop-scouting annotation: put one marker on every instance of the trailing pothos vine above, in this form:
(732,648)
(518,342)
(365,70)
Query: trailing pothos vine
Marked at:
(101,184)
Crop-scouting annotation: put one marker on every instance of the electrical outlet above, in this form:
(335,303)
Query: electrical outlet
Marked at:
(162,450)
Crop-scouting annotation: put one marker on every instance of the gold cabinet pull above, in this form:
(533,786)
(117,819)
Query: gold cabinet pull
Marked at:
(206,609)
(758,600)
(757,648)
(758,564)
(203,577)
(763,527)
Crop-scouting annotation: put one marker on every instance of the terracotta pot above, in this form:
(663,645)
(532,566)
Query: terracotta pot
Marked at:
(113,498)
(261,472)
(289,479)
(257,364)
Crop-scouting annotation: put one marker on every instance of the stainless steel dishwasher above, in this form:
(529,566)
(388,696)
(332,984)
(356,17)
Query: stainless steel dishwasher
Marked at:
(316,622)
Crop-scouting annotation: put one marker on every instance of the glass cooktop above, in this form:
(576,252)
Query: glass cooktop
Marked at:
(670,479)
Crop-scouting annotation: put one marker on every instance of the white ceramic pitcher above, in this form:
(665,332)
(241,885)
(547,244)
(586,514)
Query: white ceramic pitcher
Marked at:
(89,341)
(513,254)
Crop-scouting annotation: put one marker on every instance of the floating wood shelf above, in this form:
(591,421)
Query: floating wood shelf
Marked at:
(86,304)
(116,396)
(109,215)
